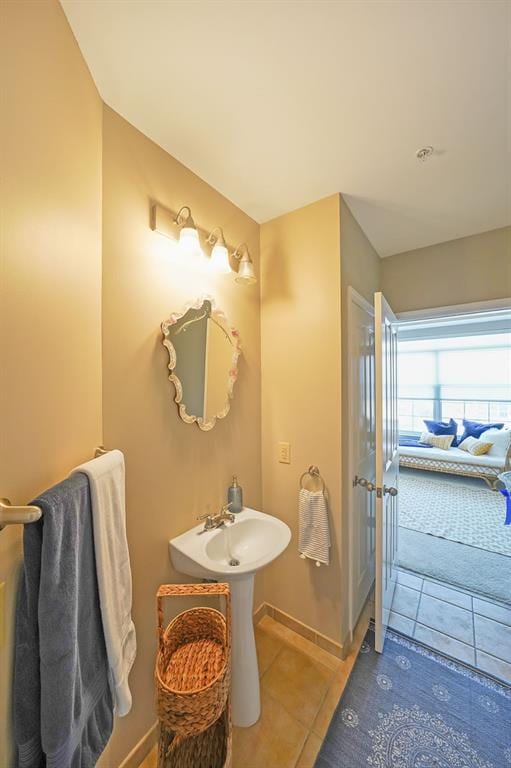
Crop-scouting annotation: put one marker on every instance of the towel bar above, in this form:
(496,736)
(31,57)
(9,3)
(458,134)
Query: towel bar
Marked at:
(29,513)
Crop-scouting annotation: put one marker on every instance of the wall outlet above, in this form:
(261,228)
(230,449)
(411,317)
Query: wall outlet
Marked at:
(284,453)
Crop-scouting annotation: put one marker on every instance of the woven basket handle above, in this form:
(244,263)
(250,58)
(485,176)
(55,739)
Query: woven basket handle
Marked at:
(191,590)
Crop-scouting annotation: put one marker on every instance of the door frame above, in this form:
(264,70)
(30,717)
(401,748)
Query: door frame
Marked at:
(353,298)
(387,463)
(472,308)
(407,316)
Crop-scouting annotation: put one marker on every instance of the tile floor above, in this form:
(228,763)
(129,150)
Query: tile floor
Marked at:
(301,685)
(456,623)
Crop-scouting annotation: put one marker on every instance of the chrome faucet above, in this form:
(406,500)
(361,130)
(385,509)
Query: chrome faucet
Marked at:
(216,521)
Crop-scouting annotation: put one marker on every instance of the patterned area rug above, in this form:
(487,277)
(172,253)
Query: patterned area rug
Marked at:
(412,708)
(473,516)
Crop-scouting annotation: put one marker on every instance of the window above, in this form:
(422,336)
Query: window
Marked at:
(459,377)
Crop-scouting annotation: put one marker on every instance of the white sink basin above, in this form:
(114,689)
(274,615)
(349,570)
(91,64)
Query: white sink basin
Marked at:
(234,553)
(254,540)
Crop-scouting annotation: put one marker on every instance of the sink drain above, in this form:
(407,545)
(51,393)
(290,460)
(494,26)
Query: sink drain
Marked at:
(233,561)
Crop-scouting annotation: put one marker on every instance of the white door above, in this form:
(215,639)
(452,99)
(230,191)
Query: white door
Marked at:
(387,463)
(361,461)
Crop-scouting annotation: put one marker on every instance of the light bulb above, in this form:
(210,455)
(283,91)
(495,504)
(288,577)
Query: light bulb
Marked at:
(219,262)
(246,273)
(189,241)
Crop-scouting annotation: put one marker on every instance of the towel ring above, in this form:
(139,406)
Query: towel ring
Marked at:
(313,472)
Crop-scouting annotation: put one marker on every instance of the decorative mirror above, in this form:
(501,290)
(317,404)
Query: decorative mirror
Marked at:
(203,361)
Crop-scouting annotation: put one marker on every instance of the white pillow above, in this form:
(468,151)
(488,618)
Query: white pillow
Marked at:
(438,441)
(467,442)
(500,439)
(475,447)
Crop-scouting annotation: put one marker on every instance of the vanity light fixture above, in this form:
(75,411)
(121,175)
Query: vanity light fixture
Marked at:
(219,261)
(181,229)
(188,233)
(246,274)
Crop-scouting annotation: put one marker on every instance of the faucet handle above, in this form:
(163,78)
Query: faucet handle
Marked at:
(205,517)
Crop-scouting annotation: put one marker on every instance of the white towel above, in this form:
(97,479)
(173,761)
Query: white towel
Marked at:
(314,537)
(106,481)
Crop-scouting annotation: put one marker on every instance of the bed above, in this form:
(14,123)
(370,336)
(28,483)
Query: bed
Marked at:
(454,461)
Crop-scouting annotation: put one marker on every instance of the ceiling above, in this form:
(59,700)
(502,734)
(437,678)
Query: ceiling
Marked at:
(277,104)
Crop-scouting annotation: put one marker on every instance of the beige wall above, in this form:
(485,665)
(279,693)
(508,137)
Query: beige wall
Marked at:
(174,471)
(301,369)
(476,268)
(52,162)
(360,269)
(50,272)
(360,264)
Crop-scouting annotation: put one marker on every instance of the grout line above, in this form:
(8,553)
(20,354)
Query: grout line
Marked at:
(453,587)
(472,612)
(303,748)
(446,599)
(418,607)
(407,586)
(485,599)
(490,618)
(497,658)
(420,599)
(474,631)
(403,615)
(272,662)
(306,728)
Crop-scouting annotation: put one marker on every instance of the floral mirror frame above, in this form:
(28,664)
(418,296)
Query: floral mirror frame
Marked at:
(171,327)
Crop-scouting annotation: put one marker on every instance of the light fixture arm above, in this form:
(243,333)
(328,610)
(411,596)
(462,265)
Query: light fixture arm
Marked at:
(181,218)
(242,252)
(214,238)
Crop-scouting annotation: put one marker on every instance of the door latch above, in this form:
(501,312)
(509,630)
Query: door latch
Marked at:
(363,483)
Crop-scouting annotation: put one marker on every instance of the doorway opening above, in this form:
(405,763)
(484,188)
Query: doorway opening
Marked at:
(453,589)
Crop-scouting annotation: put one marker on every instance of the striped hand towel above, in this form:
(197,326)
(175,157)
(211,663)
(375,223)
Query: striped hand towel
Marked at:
(314,536)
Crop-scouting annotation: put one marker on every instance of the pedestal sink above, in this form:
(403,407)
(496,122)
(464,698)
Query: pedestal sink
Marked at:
(234,553)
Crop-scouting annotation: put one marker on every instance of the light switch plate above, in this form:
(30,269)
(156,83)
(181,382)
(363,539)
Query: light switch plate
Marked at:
(284,453)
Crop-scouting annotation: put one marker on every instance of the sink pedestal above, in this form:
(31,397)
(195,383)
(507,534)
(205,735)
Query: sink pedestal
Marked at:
(253,541)
(246,700)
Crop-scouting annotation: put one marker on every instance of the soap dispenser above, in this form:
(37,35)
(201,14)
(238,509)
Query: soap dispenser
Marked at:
(235,496)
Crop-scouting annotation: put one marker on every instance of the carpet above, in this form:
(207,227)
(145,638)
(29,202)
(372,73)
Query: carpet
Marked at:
(485,573)
(472,516)
(409,707)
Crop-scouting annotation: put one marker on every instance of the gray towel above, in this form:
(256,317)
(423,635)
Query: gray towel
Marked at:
(63,704)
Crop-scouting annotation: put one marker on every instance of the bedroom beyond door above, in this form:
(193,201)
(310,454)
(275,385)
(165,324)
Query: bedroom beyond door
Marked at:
(454,592)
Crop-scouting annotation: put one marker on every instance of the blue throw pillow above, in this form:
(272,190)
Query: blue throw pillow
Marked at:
(476,428)
(443,428)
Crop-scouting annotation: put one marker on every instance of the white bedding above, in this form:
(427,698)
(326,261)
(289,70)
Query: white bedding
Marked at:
(453,454)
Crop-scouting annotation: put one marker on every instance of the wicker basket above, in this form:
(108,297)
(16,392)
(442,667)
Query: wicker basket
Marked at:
(210,749)
(193,664)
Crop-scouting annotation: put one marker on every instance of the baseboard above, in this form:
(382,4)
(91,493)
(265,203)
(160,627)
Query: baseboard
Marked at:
(142,749)
(260,612)
(146,743)
(322,641)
